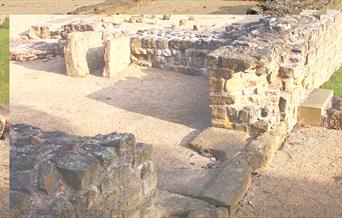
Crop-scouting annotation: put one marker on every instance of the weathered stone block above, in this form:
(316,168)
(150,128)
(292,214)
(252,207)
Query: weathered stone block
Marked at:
(117,56)
(48,178)
(79,170)
(142,154)
(223,99)
(19,202)
(106,155)
(218,111)
(230,186)
(22,181)
(124,143)
(223,143)
(234,84)
(262,150)
(22,162)
(84,53)
(312,109)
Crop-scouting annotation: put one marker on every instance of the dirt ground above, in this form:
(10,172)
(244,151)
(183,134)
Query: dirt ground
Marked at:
(150,103)
(42,6)
(194,7)
(305,178)
(4,177)
(155,7)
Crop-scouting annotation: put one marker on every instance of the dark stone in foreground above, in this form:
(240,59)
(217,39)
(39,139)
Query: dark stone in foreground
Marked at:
(60,175)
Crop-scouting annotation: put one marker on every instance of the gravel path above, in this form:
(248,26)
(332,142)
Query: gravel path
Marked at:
(305,179)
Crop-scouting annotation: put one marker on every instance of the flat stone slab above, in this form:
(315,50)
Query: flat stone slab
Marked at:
(175,205)
(188,182)
(230,185)
(223,143)
(312,109)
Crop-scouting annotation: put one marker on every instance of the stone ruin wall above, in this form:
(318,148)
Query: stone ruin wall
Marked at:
(258,72)
(262,76)
(183,51)
(60,175)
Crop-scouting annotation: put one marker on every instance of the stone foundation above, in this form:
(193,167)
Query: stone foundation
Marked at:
(61,175)
(258,72)
(184,51)
(260,78)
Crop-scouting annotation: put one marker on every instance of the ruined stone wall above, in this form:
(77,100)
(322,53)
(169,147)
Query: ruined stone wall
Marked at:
(270,67)
(281,7)
(59,175)
(184,51)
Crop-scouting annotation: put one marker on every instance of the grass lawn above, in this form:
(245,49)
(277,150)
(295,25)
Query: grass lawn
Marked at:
(4,63)
(335,83)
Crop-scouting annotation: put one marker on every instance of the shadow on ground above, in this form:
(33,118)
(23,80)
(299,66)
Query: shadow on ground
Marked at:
(280,196)
(50,66)
(239,9)
(43,120)
(175,99)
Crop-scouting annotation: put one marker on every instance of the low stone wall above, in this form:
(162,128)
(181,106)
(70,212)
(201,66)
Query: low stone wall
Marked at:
(259,72)
(59,175)
(184,51)
(261,77)
(96,52)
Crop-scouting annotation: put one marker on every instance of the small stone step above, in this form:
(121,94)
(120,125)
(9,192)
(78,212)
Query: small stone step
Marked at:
(230,186)
(222,143)
(311,111)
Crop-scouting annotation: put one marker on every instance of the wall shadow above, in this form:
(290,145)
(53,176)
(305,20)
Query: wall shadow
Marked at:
(237,10)
(55,65)
(165,95)
(43,120)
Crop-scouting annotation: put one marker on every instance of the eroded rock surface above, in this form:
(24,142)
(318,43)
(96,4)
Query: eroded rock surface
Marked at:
(53,173)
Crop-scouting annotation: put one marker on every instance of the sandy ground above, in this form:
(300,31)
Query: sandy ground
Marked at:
(162,108)
(4,177)
(194,7)
(42,6)
(21,23)
(305,178)
(155,7)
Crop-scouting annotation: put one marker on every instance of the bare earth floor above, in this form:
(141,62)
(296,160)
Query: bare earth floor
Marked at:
(161,108)
(305,178)
(42,7)
(155,7)
(194,7)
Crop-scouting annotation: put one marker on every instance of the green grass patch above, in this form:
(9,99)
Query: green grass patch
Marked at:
(4,63)
(335,83)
